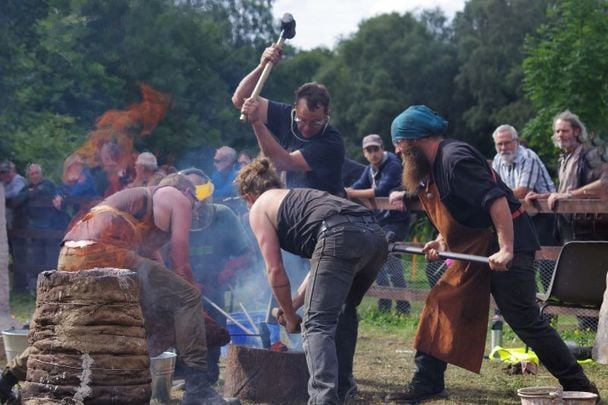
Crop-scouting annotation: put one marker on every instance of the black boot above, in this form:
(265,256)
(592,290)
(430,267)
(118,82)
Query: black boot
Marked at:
(198,391)
(7,382)
(414,395)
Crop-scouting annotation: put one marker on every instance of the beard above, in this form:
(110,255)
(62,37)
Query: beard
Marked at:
(416,168)
(564,144)
(507,158)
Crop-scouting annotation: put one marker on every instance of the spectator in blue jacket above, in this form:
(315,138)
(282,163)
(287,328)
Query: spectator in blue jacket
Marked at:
(226,168)
(380,177)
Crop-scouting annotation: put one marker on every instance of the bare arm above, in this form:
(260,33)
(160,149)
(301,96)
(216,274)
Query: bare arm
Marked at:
(520,192)
(595,189)
(298,299)
(246,86)
(280,157)
(173,213)
(503,223)
(361,193)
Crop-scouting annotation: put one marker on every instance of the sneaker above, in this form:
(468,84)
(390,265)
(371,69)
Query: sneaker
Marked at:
(413,395)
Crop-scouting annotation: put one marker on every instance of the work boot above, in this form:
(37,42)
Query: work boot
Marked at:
(7,382)
(198,391)
(413,395)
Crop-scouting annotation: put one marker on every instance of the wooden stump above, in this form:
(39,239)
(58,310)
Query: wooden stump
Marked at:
(87,340)
(260,375)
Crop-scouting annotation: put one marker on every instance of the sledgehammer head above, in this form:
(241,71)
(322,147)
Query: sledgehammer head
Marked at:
(288,26)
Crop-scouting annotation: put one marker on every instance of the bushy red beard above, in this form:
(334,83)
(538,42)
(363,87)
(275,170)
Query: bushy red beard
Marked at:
(416,168)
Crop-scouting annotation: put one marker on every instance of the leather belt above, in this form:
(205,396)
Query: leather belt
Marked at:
(341,219)
(517,212)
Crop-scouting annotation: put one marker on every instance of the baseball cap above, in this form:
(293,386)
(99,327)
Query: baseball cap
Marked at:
(5,167)
(147,159)
(372,140)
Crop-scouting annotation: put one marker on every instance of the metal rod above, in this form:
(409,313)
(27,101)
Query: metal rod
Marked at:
(444,255)
(255,328)
(227,315)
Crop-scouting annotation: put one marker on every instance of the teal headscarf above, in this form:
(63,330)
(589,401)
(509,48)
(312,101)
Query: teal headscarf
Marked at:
(418,121)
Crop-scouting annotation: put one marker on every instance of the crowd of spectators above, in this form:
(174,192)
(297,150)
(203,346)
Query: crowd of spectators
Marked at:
(38,211)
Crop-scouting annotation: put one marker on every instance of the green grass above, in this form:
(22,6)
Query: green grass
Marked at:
(22,306)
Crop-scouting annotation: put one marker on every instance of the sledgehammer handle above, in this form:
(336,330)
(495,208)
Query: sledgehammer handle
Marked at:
(265,73)
(444,255)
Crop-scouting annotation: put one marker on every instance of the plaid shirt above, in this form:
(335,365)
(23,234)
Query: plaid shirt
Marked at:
(527,170)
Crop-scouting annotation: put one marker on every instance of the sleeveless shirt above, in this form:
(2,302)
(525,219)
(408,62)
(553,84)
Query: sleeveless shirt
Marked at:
(301,213)
(124,219)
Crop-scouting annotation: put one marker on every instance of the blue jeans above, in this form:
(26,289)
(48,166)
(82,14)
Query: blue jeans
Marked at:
(344,265)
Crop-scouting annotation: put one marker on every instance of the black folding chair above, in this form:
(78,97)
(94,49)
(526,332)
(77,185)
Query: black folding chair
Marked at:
(579,277)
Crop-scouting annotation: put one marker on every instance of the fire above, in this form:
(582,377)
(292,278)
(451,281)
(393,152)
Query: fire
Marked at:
(110,144)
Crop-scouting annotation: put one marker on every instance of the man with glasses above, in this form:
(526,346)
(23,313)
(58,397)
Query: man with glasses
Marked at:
(226,168)
(297,139)
(380,177)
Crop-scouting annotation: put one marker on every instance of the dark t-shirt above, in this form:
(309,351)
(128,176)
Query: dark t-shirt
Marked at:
(468,186)
(300,216)
(324,152)
(210,248)
(383,180)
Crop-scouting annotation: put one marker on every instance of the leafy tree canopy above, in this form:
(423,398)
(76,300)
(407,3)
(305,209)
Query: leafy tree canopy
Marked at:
(566,68)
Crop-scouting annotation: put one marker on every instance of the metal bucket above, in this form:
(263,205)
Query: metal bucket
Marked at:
(15,342)
(161,369)
(540,395)
(554,396)
(578,398)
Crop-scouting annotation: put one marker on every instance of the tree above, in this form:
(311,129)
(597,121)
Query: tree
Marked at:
(67,62)
(490,36)
(566,68)
(393,61)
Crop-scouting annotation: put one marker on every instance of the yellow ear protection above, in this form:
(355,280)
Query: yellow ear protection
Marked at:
(202,191)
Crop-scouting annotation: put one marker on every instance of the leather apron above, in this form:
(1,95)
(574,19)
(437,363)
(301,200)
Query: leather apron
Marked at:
(454,321)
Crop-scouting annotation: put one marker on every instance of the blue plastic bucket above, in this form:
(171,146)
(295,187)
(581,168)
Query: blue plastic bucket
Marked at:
(239,337)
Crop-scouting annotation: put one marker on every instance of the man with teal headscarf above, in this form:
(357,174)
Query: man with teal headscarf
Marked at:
(475,213)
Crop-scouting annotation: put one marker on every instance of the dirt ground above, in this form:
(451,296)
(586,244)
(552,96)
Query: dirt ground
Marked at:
(384,363)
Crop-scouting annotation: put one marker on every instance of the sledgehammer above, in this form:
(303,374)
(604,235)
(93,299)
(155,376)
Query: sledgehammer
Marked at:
(288,31)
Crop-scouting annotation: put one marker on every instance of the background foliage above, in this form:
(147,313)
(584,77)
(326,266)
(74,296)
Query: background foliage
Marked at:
(63,63)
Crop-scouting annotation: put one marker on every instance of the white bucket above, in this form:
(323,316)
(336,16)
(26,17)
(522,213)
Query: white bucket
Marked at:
(540,395)
(554,396)
(15,342)
(578,398)
(161,369)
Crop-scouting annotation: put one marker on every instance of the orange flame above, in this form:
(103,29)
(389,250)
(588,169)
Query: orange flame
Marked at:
(123,127)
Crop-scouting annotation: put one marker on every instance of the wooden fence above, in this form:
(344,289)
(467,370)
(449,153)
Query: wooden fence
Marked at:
(596,207)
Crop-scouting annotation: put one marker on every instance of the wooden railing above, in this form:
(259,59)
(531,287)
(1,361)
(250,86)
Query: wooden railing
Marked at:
(595,207)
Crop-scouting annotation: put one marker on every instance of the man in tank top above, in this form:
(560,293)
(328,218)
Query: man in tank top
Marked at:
(346,248)
(125,231)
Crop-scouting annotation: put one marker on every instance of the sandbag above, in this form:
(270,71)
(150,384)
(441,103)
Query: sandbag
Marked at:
(101,284)
(101,395)
(48,313)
